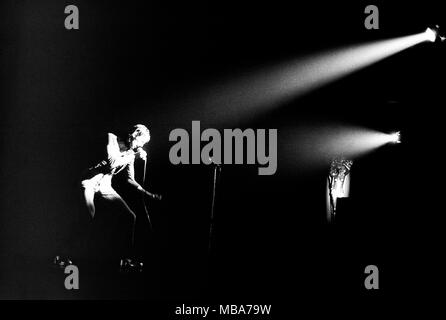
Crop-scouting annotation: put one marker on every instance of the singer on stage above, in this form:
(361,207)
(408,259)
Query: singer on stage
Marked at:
(121,156)
(102,202)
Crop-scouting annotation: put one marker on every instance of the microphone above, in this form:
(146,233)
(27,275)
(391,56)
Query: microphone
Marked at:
(140,151)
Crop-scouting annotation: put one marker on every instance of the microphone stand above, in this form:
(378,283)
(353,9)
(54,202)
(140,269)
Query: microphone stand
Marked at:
(217,170)
(143,196)
(211,261)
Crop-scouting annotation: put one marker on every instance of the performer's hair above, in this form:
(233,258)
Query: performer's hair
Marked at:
(139,130)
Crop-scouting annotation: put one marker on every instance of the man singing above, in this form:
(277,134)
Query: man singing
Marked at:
(102,202)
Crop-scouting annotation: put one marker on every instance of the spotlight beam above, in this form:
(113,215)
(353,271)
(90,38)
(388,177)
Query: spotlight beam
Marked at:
(234,101)
(313,146)
(262,90)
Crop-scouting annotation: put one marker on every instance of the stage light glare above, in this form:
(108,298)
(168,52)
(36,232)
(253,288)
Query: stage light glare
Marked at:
(395,137)
(255,92)
(431,34)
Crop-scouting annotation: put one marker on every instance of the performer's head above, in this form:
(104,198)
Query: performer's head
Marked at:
(139,135)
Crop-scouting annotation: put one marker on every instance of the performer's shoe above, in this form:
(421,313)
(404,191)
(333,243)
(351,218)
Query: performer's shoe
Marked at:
(130,266)
(62,262)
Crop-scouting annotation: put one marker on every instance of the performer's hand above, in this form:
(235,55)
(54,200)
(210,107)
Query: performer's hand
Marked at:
(154,196)
(157,197)
(142,154)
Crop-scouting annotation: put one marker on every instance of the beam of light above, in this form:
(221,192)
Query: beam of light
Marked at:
(234,101)
(315,146)
(262,90)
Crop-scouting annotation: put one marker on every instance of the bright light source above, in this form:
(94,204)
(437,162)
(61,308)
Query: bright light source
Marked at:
(395,137)
(431,34)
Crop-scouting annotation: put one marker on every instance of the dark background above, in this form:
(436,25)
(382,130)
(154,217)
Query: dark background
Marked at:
(149,62)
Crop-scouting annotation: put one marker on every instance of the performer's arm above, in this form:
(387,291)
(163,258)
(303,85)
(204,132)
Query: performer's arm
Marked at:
(112,146)
(132,182)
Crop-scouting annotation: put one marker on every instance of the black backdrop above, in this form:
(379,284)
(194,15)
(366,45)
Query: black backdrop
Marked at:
(148,62)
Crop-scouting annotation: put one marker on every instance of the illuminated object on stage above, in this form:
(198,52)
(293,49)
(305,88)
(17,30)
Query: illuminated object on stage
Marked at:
(338,183)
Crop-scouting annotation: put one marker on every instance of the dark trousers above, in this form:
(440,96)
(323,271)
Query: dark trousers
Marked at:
(106,236)
(113,227)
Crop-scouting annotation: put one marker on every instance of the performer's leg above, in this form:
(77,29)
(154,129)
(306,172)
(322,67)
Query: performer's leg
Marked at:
(144,237)
(78,242)
(82,235)
(88,197)
(118,223)
(110,235)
